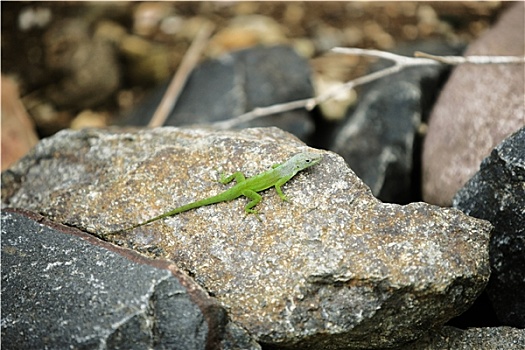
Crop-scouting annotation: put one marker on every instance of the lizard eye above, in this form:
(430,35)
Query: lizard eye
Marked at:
(308,161)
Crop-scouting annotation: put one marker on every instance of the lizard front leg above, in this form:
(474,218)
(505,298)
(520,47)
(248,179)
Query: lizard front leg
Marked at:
(278,185)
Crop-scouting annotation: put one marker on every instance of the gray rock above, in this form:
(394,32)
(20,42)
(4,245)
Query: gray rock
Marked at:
(497,194)
(333,268)
(237,83)
(62,288)
(379,136)
(479,106)
(496,338)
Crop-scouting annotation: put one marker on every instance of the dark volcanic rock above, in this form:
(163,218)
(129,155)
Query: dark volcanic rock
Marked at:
(62,288)
(379,137)
(332,268)
(237,83)
(497,194)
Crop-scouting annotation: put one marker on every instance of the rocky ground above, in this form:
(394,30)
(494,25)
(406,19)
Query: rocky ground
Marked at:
(408,235)
(89,64)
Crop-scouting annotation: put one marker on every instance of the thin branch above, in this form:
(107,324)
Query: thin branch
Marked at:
(262,112)
(400,63)
(455,60)
(398,59)
(422,58)
(188,63)
(353,83)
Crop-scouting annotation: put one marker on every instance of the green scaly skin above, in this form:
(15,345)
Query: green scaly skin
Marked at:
(275,177)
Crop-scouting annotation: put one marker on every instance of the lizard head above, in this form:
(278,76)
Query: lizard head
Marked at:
(305,160)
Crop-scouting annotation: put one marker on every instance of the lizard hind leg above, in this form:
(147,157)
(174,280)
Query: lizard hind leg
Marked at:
(255,199)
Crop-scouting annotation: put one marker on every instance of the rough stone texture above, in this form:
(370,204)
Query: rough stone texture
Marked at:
(479,106)
(377,140)
(496,338)
(333,268)
(237,83)
(497,194)
(62,288)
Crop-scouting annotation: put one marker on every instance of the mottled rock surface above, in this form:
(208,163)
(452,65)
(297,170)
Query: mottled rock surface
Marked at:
(63,288)
(473,338)
(497,194)
(479,106)
(333,268)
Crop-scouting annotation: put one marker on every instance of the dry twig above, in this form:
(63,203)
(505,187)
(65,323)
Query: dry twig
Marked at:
(186,66)
(455,60)
(400,63)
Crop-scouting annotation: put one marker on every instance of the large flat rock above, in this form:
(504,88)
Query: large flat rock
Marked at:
(332,268)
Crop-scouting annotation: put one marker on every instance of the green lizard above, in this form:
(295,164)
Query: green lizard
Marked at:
(275,177)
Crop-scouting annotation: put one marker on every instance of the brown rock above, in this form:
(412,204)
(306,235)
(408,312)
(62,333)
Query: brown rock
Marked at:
(479,106)
(18,131)
(246,31)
